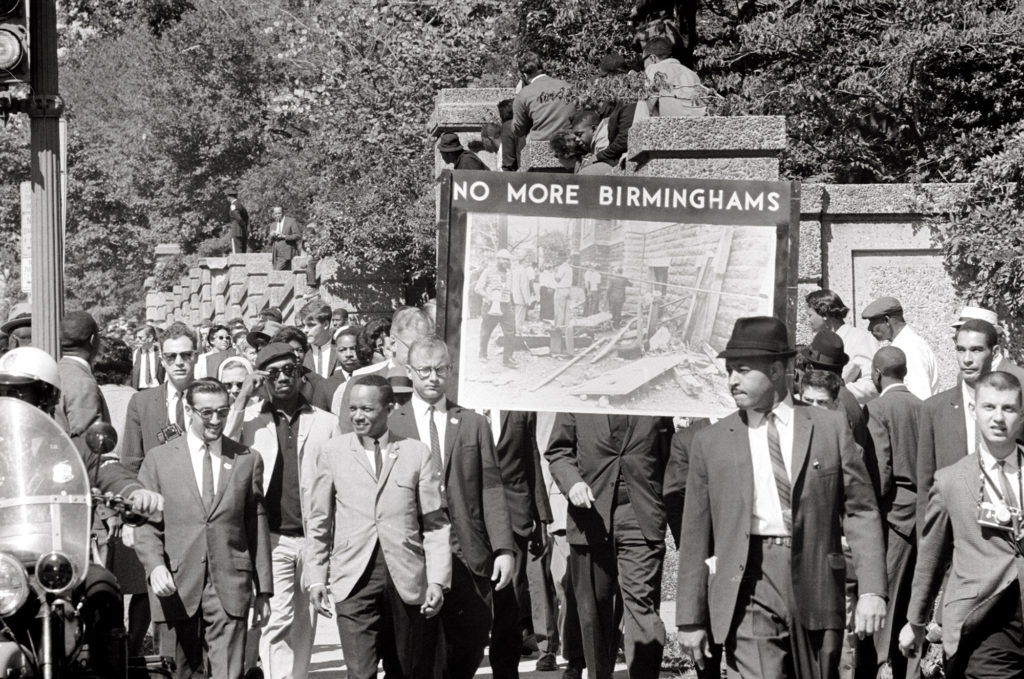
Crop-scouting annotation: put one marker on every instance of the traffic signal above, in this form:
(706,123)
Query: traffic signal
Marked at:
(14,52)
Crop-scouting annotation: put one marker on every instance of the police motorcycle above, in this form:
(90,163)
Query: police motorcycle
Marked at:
(51,602)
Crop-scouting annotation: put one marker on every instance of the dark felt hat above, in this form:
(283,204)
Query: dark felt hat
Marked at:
(449,142)
(274,352)
(883,306)
(262,333)
(762,336)
(826,351)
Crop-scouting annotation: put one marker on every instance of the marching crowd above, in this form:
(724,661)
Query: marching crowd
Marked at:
(842,516)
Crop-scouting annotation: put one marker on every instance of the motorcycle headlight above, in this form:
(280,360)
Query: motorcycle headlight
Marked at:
(13,585)
(55,572)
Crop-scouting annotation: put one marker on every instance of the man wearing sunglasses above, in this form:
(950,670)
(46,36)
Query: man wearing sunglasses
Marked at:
(215,551)
(284,429)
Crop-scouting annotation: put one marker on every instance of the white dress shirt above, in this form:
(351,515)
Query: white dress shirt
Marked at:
(421,411)
(991,465)
(322,359)
(195,452)
(172,404)
(861,346)
(972,436)
(766,517)
(922,371)
(368,449)
(148,357)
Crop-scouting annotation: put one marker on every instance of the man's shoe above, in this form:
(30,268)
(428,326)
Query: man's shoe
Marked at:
(529,641)
(547,663)
(253,673)
(572,671)
(512,364)
(482,359)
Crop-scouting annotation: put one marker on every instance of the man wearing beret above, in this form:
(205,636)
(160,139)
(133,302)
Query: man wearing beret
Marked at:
(284,429)
(452,153)
(886,323)
(766,490)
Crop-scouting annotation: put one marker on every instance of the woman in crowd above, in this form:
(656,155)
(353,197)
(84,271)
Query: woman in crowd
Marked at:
(112,369)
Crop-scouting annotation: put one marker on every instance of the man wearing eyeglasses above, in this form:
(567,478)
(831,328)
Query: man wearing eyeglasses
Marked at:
(155,416)
(461,445)
(284,430)
(213,549)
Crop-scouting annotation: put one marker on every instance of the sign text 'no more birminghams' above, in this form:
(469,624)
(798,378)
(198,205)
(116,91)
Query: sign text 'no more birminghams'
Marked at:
(647,198)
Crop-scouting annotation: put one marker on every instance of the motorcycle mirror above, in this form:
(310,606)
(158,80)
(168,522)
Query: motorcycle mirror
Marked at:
(101,438)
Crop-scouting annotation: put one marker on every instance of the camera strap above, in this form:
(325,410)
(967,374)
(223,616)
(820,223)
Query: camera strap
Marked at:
(995,490)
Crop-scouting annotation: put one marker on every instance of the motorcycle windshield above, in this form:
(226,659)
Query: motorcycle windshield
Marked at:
(44,489)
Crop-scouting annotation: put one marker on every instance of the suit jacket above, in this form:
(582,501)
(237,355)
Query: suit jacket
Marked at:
(521,475)
(893,420)
(161,372)
(239,218)
(257,430)
(830,483)
(542,108)
(333,362)
(147,415)
(288,247)
(675,474)
(351,511)
(476,502)
(81,402)
(582,449)
(983,561)
(214,360)
(468,160)
(620,122)
(231,541)
(941,440)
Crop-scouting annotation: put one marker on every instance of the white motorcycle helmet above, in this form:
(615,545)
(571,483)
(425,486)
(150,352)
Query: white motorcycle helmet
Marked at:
(30,374)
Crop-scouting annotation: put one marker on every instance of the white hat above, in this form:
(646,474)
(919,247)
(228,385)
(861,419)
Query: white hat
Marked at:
(976,312)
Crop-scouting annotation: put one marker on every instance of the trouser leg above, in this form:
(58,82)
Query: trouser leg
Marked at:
(487,325)
(594,583)
(639,566)
(466,618)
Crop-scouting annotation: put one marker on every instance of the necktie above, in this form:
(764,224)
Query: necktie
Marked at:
(435,441)
(1004,485)
(179,411)
(378,463)
(147,374)
(208,490)
(779,471)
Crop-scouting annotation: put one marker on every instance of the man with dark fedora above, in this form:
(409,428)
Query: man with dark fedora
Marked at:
(766,490)
(453,154)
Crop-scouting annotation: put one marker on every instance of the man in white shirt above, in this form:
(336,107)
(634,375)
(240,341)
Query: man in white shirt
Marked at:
(886,323)
(322,357)
(147,371)
(676,88)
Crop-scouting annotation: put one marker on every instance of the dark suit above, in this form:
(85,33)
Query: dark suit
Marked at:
(618,545)
(286,247)
(217,557)
(830,482)
(941,440)
(468,160)
(333,362)
(480,527)
(137,368)
(893,420)
(981,600)
(239,232)
(529,509)
(620,122)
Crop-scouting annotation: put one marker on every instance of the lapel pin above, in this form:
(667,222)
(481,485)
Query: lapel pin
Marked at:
(816,464)
(227,465)
(454,420)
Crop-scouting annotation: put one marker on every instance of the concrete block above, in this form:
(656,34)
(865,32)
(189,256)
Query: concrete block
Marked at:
(537,157)
(709,168)
(810,251)
(843,201)
(463,110)
(750,136)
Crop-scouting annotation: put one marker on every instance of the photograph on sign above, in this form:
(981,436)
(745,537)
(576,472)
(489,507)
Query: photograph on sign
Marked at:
(580,310)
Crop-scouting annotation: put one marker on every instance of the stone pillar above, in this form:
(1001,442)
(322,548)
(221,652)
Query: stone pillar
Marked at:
(464,111)
(728,147)
(536,156)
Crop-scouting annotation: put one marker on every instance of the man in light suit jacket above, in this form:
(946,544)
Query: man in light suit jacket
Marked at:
(947,430)
(544,106)
(611,469)
(893,420)
(461,443)
(147,369)
(284,430)
(766,488)
(974,516)
(81,403)
(378,527)
(212,549)
(284,236)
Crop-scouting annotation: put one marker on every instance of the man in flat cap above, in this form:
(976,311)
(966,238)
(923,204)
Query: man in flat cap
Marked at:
(452,153)
(766,490)
(886,323)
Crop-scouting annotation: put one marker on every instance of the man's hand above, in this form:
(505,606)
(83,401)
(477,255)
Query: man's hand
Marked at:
(504,568)
(435,599)
(321,600)
(162,582)
(869,616)
(146,502)
(580,495)
(911,638)
(262,607)
(694,641)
